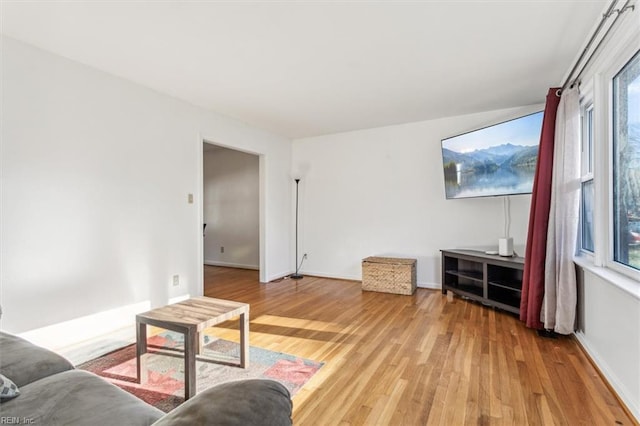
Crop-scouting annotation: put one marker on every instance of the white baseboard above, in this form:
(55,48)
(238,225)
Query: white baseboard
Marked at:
(623,393)
(279,276)
(432,286)
(72,332)
(99,345)
(333,276)
(179,298)
(231,265)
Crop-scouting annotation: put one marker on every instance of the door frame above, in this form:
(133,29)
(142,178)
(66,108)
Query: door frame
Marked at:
(200,206)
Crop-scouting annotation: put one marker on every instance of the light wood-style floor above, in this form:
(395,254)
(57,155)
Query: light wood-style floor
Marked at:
(415,360)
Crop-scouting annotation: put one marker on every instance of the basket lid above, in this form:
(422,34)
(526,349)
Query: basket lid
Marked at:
(394,260)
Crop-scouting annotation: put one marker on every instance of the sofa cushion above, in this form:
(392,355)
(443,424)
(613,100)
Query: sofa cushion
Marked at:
(242,403)
(78,397)
(25,362)
(8,389)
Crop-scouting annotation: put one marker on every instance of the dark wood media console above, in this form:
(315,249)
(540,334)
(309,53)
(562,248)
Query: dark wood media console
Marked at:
(492,280)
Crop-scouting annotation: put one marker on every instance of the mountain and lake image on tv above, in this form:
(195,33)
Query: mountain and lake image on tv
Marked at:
(492,161)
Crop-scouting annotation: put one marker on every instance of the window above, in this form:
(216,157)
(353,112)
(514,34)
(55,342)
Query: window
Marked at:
(626,164)
(586,205)
(587,215)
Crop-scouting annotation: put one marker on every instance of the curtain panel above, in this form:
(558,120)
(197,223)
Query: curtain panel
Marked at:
(536,248)
(560,288)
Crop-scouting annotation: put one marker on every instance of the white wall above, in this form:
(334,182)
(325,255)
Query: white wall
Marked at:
(95,176)
(609,329)
(231,209)
(381,192)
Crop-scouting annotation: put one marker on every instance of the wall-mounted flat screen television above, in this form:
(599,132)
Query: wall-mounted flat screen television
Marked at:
(496,160)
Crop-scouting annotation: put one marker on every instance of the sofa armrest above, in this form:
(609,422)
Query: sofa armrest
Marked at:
(246,403)
(24,363)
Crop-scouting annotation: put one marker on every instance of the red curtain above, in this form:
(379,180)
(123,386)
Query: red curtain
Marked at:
(535,254)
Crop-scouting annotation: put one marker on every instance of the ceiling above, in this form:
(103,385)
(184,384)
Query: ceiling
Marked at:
(301,68)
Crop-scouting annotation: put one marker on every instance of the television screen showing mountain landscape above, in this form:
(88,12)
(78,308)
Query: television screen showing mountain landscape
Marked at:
(496,160)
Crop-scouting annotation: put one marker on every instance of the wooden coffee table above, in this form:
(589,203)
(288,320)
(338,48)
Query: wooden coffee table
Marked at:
(190,318)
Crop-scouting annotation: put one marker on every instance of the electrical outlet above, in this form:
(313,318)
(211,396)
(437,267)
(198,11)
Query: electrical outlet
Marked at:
(221,249)
(176,280)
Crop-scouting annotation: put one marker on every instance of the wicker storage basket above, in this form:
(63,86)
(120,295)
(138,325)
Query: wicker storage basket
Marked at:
(389,275)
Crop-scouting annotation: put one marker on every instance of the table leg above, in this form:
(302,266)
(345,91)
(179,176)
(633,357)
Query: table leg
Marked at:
(200,339)
(244,340)
(141,350)
(190,347)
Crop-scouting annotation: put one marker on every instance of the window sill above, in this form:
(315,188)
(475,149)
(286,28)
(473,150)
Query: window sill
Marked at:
(616,279)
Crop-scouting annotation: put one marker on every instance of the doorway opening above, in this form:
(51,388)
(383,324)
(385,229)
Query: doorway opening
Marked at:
(231,206)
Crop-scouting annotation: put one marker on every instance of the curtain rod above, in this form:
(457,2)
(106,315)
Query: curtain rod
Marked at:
(610,12)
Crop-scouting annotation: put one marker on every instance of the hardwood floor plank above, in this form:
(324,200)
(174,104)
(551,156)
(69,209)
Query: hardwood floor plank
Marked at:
(425,359)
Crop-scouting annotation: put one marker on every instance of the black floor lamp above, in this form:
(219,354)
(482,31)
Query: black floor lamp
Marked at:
(296,275)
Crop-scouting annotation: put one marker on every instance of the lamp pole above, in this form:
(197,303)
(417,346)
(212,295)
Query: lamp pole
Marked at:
(296,275)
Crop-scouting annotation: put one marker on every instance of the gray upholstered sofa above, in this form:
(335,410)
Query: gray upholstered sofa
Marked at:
(52,392)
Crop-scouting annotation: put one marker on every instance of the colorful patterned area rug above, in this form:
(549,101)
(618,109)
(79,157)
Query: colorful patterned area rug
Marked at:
(164,388)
